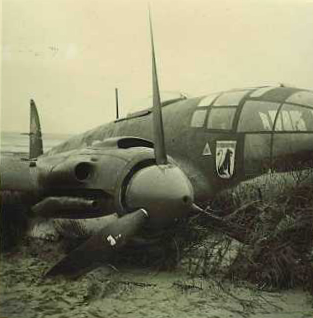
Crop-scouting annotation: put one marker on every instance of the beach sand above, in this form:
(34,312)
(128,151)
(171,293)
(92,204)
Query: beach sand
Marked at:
(131,291)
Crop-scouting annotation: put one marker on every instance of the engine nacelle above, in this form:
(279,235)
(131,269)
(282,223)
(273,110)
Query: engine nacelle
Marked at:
(124,180)
(69,172)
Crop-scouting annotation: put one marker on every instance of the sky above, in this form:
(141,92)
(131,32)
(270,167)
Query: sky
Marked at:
(69,55)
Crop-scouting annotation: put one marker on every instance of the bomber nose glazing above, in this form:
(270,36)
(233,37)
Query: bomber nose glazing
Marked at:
(164,191)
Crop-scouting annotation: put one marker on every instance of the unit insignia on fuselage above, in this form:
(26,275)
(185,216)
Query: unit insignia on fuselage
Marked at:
(225,158)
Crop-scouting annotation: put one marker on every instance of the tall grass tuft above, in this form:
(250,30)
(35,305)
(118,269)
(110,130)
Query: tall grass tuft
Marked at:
(266,236)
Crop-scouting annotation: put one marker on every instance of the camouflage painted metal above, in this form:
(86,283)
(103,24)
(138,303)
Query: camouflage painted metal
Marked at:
(154,167)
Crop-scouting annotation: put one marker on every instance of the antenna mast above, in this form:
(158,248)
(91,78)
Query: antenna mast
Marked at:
(116,102)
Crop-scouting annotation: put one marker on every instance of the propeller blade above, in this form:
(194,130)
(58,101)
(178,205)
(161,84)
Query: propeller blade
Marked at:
(158,130)
(110,238)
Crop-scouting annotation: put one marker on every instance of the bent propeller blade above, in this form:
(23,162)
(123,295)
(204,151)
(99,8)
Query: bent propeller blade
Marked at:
(158,129)
(101,245)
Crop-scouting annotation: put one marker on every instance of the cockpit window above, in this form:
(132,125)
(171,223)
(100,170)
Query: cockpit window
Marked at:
(167,98)
(198,118)
(257,116)
(221,118)
(230,98)
(294,118)
(261,91)
(301,98)
(207,100)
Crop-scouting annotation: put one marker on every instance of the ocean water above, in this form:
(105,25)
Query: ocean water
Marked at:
(16,143)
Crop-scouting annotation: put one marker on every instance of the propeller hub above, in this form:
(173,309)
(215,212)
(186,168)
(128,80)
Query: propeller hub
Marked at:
(164,191)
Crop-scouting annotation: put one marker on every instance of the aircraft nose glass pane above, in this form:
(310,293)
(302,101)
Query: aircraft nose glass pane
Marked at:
(230,98)
(261,91)
(257,116)
(294,118)
(207,101)
(198,118)
(166,97)
(221,118)
(301,98)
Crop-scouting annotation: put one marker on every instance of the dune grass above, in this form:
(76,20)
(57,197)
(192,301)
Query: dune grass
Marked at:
(266,241)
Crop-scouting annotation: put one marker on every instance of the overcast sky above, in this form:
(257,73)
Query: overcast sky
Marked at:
(69,55)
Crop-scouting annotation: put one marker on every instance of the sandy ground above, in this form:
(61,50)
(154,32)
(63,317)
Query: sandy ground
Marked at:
(131,291)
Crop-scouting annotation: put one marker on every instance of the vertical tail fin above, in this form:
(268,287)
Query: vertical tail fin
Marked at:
(35,137)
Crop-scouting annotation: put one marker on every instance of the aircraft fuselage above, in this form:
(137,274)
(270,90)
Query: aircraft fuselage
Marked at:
(222,139)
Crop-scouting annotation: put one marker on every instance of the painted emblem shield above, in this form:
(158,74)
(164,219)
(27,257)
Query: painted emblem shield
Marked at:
(225,158)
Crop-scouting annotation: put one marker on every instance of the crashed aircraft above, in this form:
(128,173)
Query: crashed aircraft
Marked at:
(159,165)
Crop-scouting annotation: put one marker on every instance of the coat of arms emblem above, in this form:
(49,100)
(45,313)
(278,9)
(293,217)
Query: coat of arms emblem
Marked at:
(225,158)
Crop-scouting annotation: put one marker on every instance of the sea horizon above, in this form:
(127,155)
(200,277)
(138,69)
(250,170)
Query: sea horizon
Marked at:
(18,142)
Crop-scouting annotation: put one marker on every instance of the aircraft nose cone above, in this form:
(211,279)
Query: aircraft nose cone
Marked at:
(164,191)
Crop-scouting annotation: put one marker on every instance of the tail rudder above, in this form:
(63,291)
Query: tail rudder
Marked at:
(35,137)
